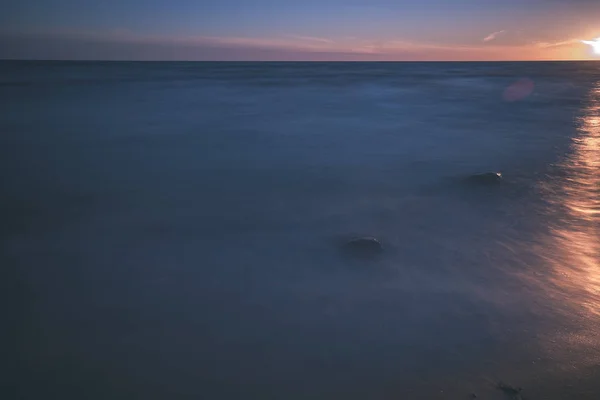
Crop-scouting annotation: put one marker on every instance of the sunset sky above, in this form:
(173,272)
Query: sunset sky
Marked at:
(299,30)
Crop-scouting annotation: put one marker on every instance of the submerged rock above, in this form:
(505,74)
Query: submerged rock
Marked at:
(512,392)
(487,178)
(366,246)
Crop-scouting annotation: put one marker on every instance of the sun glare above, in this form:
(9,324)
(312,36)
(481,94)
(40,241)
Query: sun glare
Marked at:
(594,43)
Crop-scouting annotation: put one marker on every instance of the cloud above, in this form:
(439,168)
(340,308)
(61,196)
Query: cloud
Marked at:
(493,36)
(311,39)
(549,45)
(291,42)
(128,45)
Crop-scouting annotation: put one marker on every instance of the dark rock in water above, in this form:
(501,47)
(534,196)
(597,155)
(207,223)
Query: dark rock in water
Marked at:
(512,392)
(487,178)
(363,247)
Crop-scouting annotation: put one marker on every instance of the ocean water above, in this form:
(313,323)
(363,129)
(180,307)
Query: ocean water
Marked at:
(173,230)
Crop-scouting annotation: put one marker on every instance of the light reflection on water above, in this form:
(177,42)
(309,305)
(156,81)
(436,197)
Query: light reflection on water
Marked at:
(577,264)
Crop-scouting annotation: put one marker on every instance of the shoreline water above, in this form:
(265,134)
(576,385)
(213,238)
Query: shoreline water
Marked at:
(173,230)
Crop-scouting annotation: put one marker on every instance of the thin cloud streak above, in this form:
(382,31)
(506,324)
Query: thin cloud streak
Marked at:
(312,39)
(493,36)
(288,42)
(549,45)
(287,47)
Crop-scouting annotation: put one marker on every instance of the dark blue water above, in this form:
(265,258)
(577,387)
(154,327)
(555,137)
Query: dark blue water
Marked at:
(173,230)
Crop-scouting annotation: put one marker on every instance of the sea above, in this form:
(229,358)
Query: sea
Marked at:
(177,230)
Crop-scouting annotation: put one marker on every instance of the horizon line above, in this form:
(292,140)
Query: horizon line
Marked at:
(289,61)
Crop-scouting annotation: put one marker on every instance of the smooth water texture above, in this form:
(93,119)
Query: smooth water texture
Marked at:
(173,230)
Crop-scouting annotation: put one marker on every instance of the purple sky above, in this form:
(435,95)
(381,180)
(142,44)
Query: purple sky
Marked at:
(299,30)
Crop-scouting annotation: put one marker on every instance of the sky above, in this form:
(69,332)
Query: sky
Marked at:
(293,30)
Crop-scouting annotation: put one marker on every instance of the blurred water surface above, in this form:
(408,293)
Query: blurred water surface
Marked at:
(172,230)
